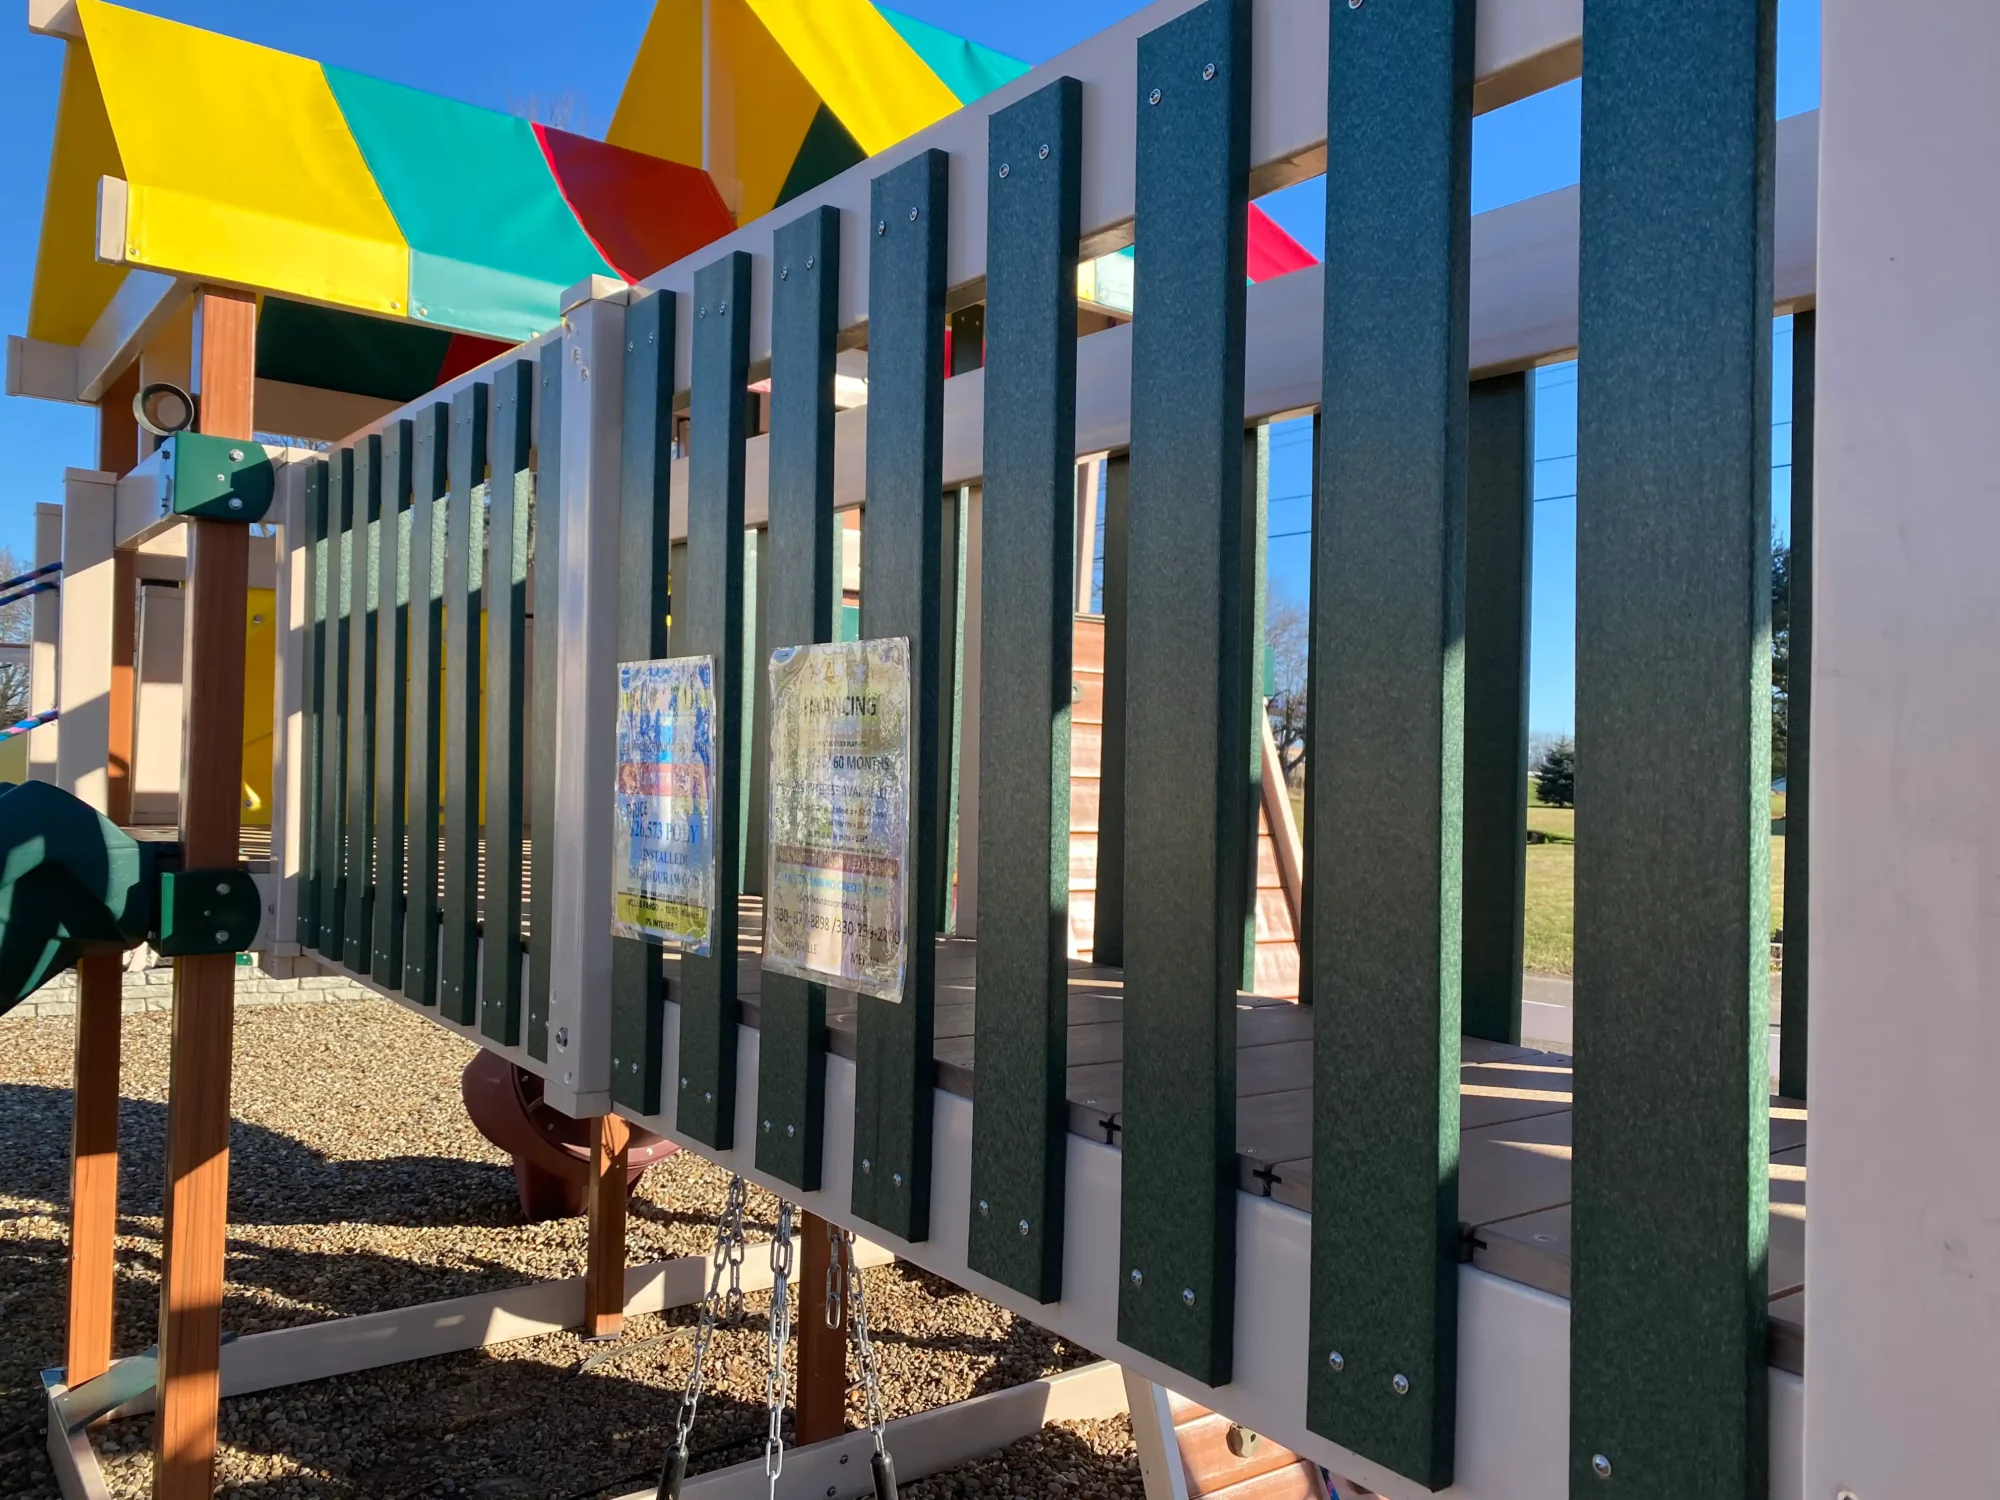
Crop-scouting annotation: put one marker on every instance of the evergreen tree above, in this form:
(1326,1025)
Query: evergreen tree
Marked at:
(1555,774)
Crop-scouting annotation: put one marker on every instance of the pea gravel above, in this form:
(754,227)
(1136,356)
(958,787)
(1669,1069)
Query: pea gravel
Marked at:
(357,1184)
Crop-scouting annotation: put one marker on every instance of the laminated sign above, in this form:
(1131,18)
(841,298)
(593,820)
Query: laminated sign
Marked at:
(663,841)
(840,815)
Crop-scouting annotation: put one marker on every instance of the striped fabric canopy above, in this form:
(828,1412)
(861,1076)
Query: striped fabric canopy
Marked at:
(348,192)
(398,238)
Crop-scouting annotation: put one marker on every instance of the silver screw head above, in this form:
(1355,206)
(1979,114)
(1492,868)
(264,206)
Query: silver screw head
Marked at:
(1844,1493)
(913,216)
(1138,1277)
(1354,4)
(723,309)
(235,503)
(985,1208)
(896,1178)
(1337,1360)
(1023,1226)
(1154,97)
(767,1127)
(684,1083)
(635,1067)
(1601,1467)
(866,1166)
(707,1096)
(881,226)
(809,262)
(1005,169)
(701,312)
(221,936)
(1400,1385)
(236,455)
(1187,1295)
(1208,73)
(221,887)
(785,274)
(1043,154)
(562,1038)
(791,1130)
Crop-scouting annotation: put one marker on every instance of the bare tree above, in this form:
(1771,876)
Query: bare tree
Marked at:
(1287,632)
(17,626)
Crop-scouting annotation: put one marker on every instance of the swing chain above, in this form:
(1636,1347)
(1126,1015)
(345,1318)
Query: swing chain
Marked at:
(834,1236)
(727,1257)
(857,1318)
(777,1384)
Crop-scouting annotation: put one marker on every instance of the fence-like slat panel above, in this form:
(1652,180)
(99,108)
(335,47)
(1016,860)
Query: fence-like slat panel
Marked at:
(312,701)
(712,625)
(1027,558)
(1796,1012)
(798,577)
(1187,777)
(1108,903)
(638,983)
(510,491)
(332,842)
(544,549)
(464,558)
(427,548)
(363,565)
(1389,627)
(902,595)
(1499,552)
(392,700)
(1668,1387)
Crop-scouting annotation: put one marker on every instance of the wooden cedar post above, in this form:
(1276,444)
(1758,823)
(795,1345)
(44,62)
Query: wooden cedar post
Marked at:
(820,1405)
(93,1214)
(604,1260)
(197,1188)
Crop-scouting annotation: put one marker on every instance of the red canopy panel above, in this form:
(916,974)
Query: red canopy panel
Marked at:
(641,212)
(1272,251)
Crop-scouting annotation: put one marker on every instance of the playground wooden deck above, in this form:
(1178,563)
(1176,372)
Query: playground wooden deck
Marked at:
(1514,1110)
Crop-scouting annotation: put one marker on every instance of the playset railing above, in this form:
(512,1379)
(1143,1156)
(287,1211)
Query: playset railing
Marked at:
(448,741)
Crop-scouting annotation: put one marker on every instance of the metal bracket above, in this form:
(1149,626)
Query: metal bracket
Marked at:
(206,911)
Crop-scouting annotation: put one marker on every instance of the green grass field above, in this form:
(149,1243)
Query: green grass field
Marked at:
(1549,925)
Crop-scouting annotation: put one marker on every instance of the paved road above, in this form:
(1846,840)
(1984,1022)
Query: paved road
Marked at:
(1546,1014)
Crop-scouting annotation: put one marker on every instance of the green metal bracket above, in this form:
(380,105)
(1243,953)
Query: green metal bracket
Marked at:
(206,911)
(215,478)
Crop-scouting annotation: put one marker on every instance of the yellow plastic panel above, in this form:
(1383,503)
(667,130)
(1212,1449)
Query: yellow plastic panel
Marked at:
(861,66)
(759,109)
(241,165)
(72,287)
(660,111)
(260,677)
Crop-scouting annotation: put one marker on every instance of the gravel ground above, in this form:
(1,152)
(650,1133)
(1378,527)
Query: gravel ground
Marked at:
(357,1184)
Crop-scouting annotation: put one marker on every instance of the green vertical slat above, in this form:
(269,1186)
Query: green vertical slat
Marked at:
(1670,1192)
(1026,629)
(464,556)
(901,595)
(1795,1001)
(802,580)
(545,568)
(332,841)
(1388,638)
(638,983)
(712,626)
(363,564)
(1256,526)
(1108,925)
(509,490)
(312,703)
(392,700)
(1499,552)
(1186,770)
(429,483)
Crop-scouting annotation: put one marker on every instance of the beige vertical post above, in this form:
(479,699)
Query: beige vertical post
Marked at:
(197,1188)
(967,914)
(42,650)
(83,672)
(1089,477)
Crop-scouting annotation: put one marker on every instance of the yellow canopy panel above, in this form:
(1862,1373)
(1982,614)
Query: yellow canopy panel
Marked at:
(244,170)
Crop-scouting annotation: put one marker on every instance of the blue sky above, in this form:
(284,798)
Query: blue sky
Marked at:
(507,54)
